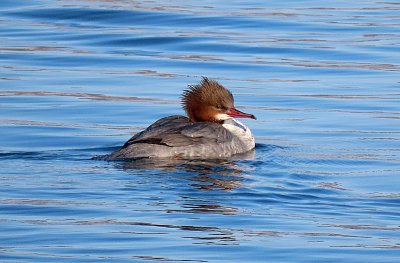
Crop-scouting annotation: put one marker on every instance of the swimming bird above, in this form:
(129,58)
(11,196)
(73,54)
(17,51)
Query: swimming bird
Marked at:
(210,129)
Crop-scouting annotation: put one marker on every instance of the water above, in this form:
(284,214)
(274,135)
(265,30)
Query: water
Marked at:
(78,78)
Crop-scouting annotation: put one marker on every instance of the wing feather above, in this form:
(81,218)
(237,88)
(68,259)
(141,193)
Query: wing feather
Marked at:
(178,131)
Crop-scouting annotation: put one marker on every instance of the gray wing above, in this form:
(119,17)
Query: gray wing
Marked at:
(156,131)
(177,131)
(198,133)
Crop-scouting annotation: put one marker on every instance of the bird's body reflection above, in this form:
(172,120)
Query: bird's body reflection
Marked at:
(195,186)
(205,174)
(187,189)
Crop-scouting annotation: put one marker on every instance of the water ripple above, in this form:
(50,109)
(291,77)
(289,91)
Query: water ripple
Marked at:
(79,78)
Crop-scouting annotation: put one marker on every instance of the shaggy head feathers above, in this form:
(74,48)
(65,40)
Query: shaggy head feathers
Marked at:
(204,101)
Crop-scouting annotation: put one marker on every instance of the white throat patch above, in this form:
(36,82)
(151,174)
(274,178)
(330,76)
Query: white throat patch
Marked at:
(222,117)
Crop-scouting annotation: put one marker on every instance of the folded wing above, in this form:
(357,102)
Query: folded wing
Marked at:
(178,131)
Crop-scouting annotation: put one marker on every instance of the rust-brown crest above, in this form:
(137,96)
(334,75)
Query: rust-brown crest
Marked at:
(202,101)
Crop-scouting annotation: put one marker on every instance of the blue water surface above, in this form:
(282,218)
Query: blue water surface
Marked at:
(78,78)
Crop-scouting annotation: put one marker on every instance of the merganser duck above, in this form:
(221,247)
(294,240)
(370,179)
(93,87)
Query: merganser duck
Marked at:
(209,131)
